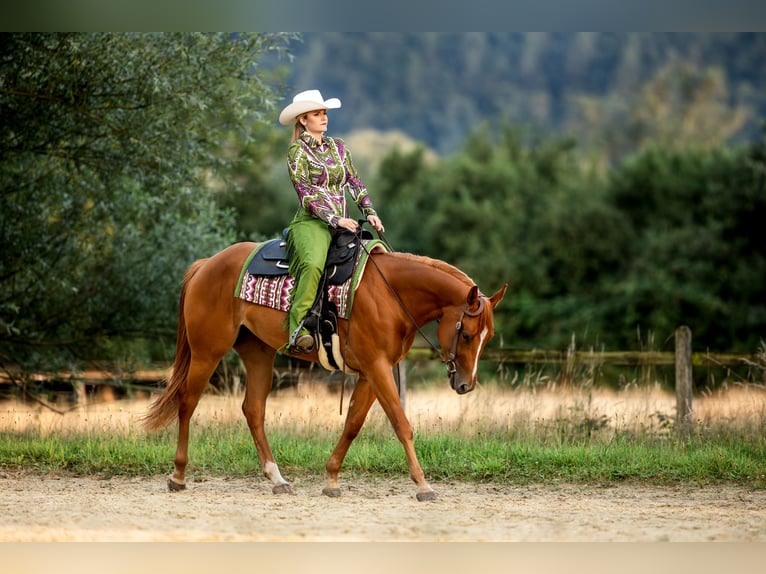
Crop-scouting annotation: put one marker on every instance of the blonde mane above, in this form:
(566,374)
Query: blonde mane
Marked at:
(440,265)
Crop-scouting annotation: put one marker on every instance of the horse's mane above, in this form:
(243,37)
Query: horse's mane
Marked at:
(437,264)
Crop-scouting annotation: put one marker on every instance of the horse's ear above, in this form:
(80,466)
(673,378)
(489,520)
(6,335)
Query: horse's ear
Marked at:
(497,297)
(473,296)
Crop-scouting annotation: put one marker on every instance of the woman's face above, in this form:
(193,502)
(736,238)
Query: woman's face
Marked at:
(315,122)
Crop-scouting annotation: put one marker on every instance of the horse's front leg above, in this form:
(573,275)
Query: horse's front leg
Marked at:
(259,361)
(358,407)
(384,388)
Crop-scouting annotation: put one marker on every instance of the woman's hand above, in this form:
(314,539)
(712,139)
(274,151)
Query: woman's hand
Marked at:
(376,223)
(347,223)
(353,224)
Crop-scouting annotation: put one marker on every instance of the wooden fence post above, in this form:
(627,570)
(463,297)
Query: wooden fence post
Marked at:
(684,378)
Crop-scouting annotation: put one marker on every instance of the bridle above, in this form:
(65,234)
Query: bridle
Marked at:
(450,360)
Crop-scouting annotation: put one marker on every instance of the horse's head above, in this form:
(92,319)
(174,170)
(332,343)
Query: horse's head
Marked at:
(464,331)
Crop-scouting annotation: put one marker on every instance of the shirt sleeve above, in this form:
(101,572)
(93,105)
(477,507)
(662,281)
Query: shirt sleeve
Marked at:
(310,196)
(357,190)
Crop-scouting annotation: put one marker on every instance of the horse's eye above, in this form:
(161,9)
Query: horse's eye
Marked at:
(466,336)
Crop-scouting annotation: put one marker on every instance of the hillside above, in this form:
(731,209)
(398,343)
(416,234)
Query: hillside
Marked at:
(436,87)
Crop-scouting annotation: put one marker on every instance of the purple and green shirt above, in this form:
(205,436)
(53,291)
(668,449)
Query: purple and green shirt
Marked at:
(320,174)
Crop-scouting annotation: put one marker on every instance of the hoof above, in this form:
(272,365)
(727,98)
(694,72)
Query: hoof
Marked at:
(426,496)
(282,489)
(331,492)
(174,486)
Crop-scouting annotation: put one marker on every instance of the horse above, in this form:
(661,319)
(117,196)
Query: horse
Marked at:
(397,295)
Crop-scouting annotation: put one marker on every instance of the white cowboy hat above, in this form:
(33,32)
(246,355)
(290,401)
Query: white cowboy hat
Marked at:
(307,101)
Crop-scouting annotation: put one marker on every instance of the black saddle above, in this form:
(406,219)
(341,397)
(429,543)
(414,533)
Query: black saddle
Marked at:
(271,259)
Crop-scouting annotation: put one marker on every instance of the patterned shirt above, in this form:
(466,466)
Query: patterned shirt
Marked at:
(321,173)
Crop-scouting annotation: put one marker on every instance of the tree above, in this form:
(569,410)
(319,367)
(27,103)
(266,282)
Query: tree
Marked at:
(698,253)
(511,207)
(263,202)
(682,105)
(671,237)
(108,147)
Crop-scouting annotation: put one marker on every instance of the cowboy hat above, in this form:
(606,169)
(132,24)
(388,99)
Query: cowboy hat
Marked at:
(307,101)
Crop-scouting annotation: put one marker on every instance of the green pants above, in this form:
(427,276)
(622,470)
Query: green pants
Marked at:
(307,245)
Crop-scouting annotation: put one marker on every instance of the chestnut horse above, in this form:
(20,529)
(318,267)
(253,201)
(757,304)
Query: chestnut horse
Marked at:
(398,294)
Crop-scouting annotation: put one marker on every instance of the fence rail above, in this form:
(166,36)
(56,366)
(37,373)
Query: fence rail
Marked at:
(624,358)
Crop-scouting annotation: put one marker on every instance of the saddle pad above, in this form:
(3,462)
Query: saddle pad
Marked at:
(274,291)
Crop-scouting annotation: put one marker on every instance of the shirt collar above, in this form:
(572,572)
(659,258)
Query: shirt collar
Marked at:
(310,140)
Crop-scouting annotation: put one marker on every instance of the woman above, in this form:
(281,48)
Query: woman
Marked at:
(321,170)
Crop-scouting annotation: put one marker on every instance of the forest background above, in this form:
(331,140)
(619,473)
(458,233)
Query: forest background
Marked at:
(617,182)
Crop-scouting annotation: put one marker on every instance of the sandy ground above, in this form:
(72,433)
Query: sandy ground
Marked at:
(37,508)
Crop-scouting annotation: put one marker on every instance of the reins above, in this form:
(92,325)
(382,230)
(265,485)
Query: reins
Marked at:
(390,248)
(387,243)
(399,300)
(449,360)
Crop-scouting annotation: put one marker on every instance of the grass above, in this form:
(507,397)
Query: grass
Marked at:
(496,434)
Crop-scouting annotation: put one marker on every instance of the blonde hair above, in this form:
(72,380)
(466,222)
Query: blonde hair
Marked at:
(298,128)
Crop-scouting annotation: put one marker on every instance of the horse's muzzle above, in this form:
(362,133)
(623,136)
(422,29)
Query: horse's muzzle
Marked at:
(460,386)
(457,382)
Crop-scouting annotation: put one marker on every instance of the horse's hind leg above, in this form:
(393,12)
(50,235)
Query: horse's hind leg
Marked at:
(200,371)
(259,362)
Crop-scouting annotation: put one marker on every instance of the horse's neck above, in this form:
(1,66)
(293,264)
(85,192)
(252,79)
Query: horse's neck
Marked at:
(426,289)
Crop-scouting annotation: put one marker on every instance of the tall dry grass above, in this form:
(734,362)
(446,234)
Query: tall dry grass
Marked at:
(312,408)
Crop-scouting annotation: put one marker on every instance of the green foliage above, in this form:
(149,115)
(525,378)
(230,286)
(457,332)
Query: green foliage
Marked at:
(110,147)
(670,237)
(698,255)
(515,208)
(263,201)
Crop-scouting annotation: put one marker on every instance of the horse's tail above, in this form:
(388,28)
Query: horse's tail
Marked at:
(165,407)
